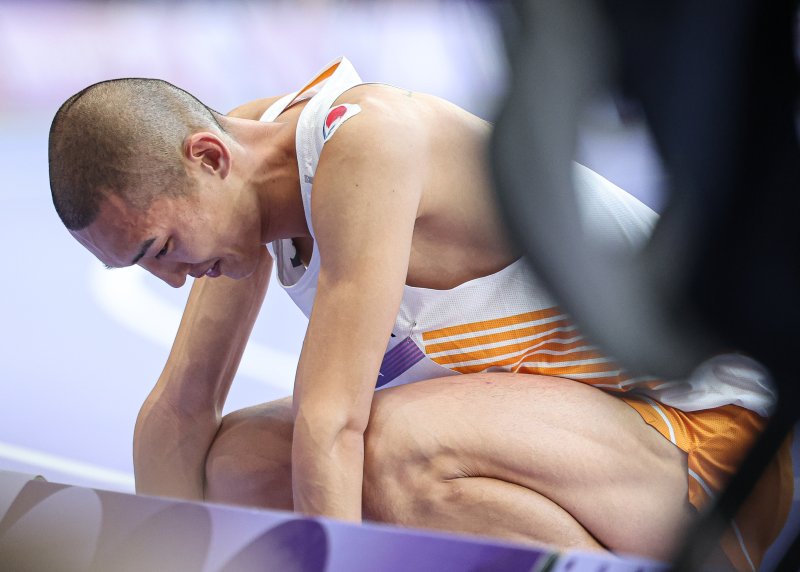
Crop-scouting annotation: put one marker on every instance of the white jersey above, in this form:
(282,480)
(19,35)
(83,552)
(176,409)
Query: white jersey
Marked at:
(506,321)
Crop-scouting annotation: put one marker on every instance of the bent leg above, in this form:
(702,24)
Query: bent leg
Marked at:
(527,458)
(249,464)
(520,457)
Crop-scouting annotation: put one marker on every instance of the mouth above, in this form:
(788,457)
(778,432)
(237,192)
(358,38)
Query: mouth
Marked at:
(214,271)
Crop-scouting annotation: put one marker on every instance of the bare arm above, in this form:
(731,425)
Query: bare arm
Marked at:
(364,222)
(181,416)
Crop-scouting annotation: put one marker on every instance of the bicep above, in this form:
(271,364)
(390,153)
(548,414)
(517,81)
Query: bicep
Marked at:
(367,195)
(368,189)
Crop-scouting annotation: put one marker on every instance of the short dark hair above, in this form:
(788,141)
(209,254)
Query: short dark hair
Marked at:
(121,136)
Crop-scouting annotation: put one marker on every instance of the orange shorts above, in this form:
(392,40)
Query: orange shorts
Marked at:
(716,441)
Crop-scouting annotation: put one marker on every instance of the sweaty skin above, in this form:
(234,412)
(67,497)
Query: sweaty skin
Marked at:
(401,196)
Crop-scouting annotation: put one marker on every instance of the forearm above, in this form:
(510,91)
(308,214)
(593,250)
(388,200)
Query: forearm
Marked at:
(332,398)
(327,472)
(180,417)
(211,339)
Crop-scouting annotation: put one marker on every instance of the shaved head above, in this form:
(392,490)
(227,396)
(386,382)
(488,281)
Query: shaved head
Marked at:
(122,137)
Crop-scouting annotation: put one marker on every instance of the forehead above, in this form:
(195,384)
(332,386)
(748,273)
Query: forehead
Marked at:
(116,236)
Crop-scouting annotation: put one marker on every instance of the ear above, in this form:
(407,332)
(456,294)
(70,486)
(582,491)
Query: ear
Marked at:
(207,152)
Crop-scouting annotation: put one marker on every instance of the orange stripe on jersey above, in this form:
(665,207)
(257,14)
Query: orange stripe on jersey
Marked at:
(515,362)
(464,343)
(541,347)
(609,380)
(566,371)
(490,324)
(546,342)
(614,379)
(321,77)
(459,352)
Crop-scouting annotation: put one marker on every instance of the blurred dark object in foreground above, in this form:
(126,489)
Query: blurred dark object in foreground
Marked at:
(717,82)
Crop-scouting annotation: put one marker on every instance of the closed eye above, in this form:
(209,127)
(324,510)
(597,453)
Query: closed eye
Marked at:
(163,251)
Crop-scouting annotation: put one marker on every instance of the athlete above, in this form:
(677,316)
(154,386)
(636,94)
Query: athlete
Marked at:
(376,206)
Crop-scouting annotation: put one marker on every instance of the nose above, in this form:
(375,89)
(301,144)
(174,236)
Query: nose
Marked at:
(171,273)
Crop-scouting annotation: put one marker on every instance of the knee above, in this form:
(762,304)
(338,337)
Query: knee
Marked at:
(225,472)
(249,462)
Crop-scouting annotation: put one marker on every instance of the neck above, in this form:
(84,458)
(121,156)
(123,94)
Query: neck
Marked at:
(268,163)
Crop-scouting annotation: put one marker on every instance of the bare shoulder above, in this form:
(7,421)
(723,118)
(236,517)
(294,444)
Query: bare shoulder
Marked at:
(376,161)
(390,126)
(401,135)
(253,109)
(411,123)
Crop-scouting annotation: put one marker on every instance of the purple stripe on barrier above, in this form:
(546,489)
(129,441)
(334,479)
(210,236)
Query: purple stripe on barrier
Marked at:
(48,526)
(398,360)
(52,527)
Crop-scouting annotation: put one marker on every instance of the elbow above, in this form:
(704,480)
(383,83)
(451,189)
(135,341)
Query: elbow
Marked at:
(140,428)
(330,428)
(144,436)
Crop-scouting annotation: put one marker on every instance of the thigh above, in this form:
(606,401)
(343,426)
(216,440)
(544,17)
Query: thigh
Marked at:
(585,450)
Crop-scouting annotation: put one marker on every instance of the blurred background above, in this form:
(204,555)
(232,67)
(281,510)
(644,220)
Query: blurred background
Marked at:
(82,346)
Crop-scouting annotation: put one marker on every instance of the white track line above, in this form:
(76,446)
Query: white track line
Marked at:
(117,480)
(125,297)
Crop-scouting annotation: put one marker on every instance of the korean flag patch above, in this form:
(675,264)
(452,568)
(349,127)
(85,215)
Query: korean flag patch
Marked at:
(336,116)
